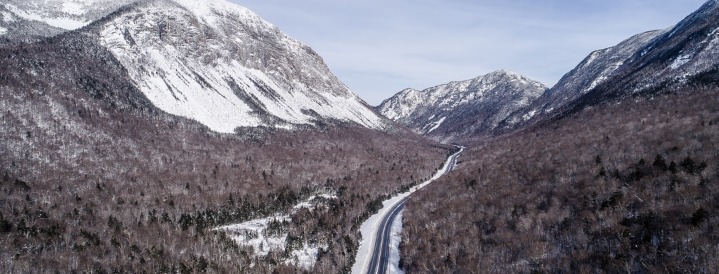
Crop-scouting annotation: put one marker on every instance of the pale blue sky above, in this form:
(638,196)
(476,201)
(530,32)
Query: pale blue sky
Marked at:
(379,47)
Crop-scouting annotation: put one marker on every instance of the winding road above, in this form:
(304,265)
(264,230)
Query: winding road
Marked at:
(380,253)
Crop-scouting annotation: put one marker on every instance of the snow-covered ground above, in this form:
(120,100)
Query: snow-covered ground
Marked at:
(370,226)
(396,234)
(254,233)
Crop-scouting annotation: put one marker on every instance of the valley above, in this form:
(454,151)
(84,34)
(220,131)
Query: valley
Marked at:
(177,136)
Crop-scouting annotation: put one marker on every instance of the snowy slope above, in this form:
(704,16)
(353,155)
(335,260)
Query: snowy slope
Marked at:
(676,57)
(225,67)
(27,20)
(594,70)
(211,61)
(462,108)
(649,63)
(64,14)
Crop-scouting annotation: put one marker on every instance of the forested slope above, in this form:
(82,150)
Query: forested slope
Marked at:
(94,178)
(628,187)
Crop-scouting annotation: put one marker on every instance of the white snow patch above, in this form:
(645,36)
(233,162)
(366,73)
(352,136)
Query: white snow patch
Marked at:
(7,17)
(211,10)
(396,238)
(305,257)
(680,61)
(310,202)
(714,32)
(252,233)
(604,75)
(369,227)
(437,124)
(73,8)
(644,52)
(529,115)
(178,79)
(592,57)
(58,22)
(3,31)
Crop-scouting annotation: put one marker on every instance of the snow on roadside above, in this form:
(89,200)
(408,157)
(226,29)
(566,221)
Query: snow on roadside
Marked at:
(396,238)
(369,227)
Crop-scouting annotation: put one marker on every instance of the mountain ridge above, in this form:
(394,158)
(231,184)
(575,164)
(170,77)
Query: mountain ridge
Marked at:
(663,61)
(220,64)
(644,65)
(462,108)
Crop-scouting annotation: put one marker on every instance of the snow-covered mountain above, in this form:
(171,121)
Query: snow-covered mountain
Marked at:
(649,63)
(464,108)
(594,70)
(29,20)
(210,61)
(681,56)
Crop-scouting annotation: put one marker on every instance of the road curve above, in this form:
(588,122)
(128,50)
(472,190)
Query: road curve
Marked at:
(379,261)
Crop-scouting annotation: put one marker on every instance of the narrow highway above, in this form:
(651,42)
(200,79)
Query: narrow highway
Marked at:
(379,261)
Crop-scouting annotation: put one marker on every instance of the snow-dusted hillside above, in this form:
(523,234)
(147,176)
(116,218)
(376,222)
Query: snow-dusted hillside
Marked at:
(210,61)
(222,65)
(676,57)
(648,63)
(28,20)
(463,108)
(594,70)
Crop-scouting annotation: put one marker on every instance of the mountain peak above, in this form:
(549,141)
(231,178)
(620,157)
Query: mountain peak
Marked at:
(505,72)
(505,76)
(222,65)
(462,108)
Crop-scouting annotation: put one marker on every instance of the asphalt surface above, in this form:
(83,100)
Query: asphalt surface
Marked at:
(381,253)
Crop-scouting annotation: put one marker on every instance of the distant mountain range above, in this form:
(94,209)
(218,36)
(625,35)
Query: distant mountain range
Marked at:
(647,64)
(465,108)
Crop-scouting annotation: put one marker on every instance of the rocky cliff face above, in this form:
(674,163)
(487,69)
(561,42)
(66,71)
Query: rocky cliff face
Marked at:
(647,64)
(224,66)
(210,61)
(595,69)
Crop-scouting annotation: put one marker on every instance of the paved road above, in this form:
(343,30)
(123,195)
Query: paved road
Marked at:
(380,252)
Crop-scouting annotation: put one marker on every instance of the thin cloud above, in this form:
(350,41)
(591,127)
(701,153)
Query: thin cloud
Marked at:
(380,47)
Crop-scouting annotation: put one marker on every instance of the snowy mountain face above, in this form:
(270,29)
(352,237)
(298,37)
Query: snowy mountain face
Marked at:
(222,65)
(646,64)
(676,57)
(210,61)
(461,109)
(594,70)
(30,20)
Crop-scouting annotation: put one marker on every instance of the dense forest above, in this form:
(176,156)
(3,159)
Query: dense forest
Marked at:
(627,187)
(95,179)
